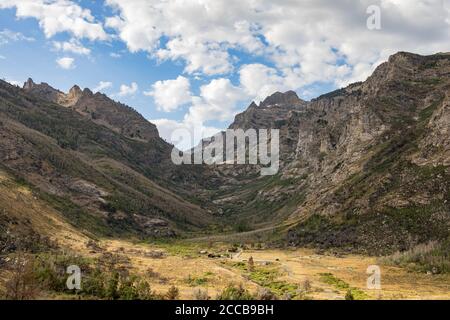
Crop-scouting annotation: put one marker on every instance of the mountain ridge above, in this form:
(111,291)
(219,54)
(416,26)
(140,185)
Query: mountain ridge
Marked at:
(99,108)
(341,155)
(361,168)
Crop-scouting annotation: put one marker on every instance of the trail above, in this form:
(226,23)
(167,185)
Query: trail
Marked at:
(236,235)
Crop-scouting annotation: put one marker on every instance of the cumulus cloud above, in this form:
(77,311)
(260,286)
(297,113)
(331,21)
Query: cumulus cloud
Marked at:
(209,59)
(305,41)
(57,16)
(308,41)
(66,63)
(130,90)
(168,127)
(7,36)
(265,45)
(259,81)
(217,101)
(72,46)
(202,43)
(169,95)
(14,82)
(102,85)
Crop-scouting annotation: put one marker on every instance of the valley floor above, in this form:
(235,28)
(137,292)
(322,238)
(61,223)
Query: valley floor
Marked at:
(296,273)
(210,266)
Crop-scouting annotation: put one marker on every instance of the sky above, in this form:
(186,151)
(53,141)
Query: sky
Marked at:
(195,64)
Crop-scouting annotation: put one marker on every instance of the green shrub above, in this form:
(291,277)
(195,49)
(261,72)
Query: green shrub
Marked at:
(233,292)
(173,293)
(200,294)
(349,295)
(431,257)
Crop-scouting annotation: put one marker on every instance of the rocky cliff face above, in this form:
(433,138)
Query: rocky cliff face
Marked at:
(365,166)
(362,168)
(101,179)
(99,108)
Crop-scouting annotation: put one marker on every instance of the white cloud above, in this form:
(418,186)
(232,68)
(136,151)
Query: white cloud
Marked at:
(202,43)
(209,59)
(57,16)
(300,43)
(308,41)
(14,82)
(217,102)
(128,90)
(2,57)
(259,81)
(7,35)
(115,55)
(102,85)
(66,63)
(166,128)
(169,95)
(73,46)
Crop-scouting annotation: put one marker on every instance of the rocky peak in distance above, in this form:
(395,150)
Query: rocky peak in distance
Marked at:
(280,98)
(99,108)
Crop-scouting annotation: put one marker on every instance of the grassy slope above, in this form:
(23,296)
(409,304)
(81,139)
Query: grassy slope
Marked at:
(56,146)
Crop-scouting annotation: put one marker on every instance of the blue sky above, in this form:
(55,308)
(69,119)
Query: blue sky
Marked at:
(195,64)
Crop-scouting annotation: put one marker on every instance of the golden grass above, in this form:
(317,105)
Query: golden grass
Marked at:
(182,261)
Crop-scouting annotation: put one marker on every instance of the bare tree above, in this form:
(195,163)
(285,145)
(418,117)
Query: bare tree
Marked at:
(23,284)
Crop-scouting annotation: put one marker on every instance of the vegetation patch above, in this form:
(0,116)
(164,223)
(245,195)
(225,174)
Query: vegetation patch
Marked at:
(267,277)
(432,257)
(235,292)
(199,281)
(32,275)
(352,293)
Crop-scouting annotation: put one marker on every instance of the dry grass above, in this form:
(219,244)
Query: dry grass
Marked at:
(177,262)
(431,257)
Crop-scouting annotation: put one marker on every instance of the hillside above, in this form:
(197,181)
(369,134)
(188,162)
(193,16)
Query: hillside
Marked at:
(102,181)
(364,168)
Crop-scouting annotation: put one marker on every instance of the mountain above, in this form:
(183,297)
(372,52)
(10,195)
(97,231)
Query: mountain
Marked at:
(99,108)
(101,177)
(364,168)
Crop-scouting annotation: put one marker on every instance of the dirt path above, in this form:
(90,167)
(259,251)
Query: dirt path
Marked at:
(187,266)
(237,236)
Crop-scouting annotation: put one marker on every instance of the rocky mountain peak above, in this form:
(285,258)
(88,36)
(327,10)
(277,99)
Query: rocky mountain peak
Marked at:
(42,90)
(404,67)
(99,108)
(253,105)
(75,93)
(75,90)
(29,84)
(87,92)
(274,107)
(280,98)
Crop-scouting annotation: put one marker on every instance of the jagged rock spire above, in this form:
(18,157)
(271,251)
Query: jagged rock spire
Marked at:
(29,84)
